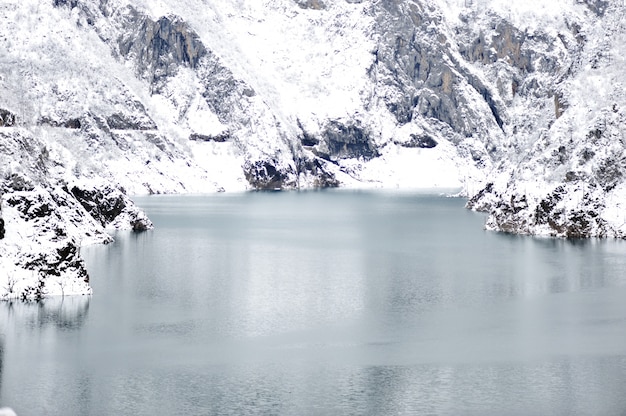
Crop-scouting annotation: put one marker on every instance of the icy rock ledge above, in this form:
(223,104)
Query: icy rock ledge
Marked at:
(44,228)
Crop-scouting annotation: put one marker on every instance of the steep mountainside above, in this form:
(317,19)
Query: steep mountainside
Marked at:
(518,106)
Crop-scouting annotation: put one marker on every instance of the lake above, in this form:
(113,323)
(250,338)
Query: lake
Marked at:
(325,303)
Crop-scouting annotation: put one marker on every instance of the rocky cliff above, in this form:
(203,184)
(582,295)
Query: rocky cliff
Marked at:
(517,106)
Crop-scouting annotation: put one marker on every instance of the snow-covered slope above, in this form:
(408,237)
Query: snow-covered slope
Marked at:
(567,177)
(100,99)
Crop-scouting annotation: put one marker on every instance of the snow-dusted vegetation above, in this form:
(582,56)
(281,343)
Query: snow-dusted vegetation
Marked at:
(519,105)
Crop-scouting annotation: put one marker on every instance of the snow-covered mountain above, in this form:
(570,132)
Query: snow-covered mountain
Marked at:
(519,105)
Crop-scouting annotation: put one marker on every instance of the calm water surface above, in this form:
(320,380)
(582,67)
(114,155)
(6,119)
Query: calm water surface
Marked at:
(325,303)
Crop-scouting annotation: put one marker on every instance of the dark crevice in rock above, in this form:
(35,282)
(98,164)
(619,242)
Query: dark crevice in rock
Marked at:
(487,96)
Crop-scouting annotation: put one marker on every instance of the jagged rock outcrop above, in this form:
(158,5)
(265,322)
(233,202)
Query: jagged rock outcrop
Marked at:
(111,206)
(158,48)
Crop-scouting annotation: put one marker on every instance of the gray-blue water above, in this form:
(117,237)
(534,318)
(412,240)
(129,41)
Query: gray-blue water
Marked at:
(325,303)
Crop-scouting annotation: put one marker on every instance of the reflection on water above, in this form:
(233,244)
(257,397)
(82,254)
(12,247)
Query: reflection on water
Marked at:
(326,303)
(34,350)
(64,313)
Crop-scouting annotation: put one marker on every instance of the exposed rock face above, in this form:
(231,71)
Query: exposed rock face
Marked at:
(159,48)
(348,141)
(107,205)
(266,176)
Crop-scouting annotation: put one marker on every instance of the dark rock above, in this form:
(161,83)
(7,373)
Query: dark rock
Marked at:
(308,140)
(348,141)
(73,123)
(2,231)
(579,224)
(610,172)
(323,178)
(595,134)
(263,175)
(65,3)
(545,212)
(30,207)
(477,201)
(422,141)
(220,138)
(7,118)
(119,121)
(104,205)
(572,176)
(507,44)
(64,257)
(141,224)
